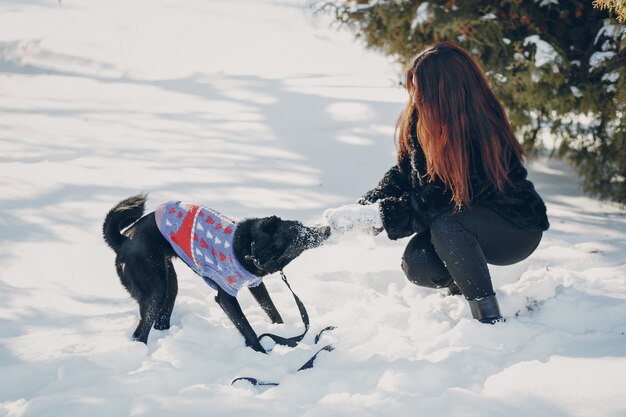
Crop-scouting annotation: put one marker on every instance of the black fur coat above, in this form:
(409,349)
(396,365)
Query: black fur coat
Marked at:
(410,202)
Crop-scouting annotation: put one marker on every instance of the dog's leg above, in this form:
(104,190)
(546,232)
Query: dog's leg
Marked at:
(261,295)
(149,289)
(148,309)
(163,318)
(231,307)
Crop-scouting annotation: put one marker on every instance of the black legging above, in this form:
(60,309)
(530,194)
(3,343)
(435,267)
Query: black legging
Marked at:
(457,247)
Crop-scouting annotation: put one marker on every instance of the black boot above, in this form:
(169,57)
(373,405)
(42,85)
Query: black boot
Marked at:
(486,310)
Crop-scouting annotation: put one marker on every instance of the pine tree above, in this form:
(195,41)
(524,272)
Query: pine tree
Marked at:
(558,66)
(617,6)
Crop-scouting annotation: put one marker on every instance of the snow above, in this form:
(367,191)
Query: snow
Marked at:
(543,3)
(610,76)
(598,57)
(355,218)
(611,34)
(545,53)
(610,30)
(576,91)
(422,15)
(257,108)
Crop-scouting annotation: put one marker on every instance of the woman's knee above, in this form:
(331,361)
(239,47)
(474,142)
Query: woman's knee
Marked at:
(411,267)
(422,266)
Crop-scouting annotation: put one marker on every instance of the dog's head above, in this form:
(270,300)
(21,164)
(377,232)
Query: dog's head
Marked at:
(272,243)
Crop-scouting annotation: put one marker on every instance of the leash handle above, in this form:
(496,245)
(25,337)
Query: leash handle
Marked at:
(325,329)
(254,381)
(307,365)
(292,341)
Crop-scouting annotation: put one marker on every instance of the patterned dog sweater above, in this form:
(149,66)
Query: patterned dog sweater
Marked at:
(203,239)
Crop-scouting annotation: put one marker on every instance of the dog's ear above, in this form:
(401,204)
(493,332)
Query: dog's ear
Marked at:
(269,224)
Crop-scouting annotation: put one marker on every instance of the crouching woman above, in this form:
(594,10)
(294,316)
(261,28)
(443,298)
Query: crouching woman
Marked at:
(459,185)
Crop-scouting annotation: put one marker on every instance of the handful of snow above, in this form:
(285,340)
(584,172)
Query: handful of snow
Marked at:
(356,217)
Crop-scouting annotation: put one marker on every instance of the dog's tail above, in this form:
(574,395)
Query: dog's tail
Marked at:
(125,213)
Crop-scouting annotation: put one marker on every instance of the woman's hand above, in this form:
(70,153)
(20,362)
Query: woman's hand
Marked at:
(354,217)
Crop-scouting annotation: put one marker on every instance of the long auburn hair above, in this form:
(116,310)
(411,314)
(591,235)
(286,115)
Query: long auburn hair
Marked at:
(450,106)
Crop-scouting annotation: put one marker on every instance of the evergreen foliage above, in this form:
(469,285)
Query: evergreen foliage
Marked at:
(558,66)
(617,6)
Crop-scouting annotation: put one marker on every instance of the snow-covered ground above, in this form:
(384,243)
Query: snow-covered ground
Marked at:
(256,108)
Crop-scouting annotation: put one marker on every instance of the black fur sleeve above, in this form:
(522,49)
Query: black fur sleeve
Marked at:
(401,216)
(391,185)
(400,205)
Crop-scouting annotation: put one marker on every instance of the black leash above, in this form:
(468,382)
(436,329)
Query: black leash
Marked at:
(284,341)
(254,381)
(325,329)
(310,362)
(307,365)
(291,341)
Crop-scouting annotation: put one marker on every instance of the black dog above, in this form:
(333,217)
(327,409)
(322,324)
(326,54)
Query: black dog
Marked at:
(144,263)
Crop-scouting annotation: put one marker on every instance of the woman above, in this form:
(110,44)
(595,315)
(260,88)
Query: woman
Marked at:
(459,184)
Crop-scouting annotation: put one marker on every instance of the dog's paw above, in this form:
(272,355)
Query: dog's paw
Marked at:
(162,323)
(140,338)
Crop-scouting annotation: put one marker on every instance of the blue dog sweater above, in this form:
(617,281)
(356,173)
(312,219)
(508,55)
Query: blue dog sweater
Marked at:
(203,239)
